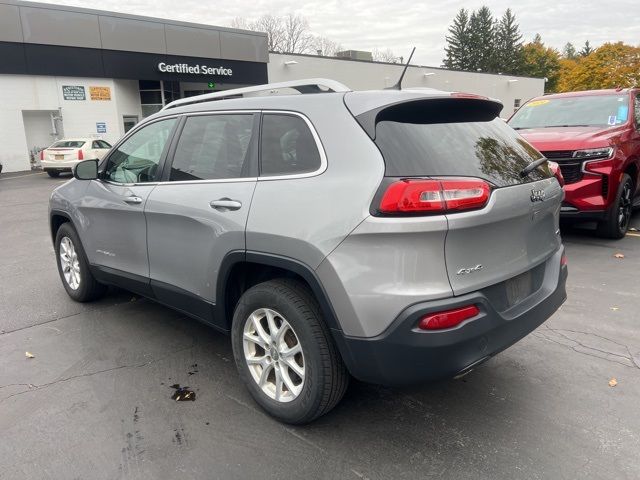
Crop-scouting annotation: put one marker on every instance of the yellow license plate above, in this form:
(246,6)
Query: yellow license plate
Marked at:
(59,157)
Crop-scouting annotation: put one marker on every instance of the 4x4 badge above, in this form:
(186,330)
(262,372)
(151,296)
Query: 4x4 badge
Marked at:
(538,195)
(464,271)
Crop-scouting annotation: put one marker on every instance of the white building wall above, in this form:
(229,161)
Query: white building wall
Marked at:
(360,75)
(79,117)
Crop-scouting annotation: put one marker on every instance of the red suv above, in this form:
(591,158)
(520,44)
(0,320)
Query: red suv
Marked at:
(595,138)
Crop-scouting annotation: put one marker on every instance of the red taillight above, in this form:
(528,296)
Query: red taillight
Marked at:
(555,169)
(440,195)
(448,318)
(41,154)
(563,260)
(80,155)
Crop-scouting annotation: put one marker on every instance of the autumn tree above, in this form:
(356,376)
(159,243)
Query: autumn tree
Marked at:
(611,65)
(542,62)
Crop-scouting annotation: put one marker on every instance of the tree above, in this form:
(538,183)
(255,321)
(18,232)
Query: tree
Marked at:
(325,47)
(611,65)
(458,46)
(586,50)
(542,62)
(384,56)
(508,48)
(482,33)
(296,34)
(569,51)
(288,34)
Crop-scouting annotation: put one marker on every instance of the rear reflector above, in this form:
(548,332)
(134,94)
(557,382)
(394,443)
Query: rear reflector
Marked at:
(80,155)
(563,260)
(448,318)
(41,154)
(434,196)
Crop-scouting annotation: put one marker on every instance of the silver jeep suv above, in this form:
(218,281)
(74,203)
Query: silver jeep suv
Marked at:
(396,236)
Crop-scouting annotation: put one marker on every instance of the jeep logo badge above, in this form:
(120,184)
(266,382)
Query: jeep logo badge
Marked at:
(538,195)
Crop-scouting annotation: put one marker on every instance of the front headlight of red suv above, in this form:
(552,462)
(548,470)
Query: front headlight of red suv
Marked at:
(603,152)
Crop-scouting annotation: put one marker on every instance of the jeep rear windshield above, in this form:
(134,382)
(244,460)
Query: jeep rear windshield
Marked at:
(484,147)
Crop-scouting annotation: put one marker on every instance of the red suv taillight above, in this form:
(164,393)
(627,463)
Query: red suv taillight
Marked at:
(434,196)
(448,318)
(80,155)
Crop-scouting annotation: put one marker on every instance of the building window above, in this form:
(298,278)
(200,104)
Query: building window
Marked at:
(156,94)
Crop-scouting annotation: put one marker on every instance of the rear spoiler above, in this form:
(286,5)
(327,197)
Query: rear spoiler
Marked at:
(456,108)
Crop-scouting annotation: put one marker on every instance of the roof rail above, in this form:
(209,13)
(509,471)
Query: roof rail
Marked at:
(310,85)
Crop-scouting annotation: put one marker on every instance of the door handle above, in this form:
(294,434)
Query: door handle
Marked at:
(133,199)
(225,204)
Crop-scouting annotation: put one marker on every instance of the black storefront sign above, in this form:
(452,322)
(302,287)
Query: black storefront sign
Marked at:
(73,92)
(34,59)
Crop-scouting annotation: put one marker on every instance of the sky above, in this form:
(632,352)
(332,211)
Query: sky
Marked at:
(402,24)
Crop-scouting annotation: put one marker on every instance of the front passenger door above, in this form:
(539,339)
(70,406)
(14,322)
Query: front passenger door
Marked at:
(113,207)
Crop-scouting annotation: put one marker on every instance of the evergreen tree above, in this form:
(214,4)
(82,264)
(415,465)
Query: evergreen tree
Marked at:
(586,50)
(569,51)
(508,45)
(482,33)
(458,42)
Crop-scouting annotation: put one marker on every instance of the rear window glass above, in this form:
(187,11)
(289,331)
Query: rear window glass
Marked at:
(68,144)
(287,146)
(490,150)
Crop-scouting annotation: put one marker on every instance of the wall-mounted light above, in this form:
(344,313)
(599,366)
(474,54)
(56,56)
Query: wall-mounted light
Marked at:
(428,74)
(512,80)
(290,62)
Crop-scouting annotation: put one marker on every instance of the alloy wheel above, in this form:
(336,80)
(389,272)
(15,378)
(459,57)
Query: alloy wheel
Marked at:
(274,355)
(69,263)
(624,208)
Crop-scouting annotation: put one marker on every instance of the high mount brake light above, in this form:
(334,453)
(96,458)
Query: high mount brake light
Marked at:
(442,195)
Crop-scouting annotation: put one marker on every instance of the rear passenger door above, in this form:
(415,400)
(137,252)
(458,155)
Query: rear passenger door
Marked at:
(198,213)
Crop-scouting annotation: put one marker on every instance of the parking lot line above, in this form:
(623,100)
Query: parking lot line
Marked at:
(20,176)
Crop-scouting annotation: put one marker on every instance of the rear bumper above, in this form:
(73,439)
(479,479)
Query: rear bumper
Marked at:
(58,166)
(404,355)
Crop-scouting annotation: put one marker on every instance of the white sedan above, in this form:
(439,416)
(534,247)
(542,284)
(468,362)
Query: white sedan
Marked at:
(64,154)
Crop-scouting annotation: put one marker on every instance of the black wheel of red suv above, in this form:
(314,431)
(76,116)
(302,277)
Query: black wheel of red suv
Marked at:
(285,353)
(619,216)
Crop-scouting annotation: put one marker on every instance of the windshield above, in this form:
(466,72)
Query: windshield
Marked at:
(68,144)
(488,150)
(592,110)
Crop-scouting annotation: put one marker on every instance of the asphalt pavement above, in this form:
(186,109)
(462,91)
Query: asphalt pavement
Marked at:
(95,401)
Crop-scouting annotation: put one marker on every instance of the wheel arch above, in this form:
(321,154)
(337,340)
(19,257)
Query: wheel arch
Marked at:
(240,270)
(56,219)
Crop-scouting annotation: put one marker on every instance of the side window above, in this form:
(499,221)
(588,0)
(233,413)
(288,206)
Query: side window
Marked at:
(136,159)
(103,144)
(95,144)
(287,146)
(214,147)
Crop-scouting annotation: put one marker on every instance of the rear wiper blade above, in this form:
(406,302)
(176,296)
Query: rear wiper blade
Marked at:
(532,166)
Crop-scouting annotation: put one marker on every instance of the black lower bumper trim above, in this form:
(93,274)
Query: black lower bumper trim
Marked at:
(403,355)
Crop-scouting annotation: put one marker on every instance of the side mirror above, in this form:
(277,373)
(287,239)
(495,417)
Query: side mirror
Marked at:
(86,170)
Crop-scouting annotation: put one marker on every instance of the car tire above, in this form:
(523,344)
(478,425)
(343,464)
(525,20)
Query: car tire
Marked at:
(616,224)
(73,266)
(53,173)
(298,322)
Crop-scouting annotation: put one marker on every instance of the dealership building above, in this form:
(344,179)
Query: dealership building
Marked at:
(75,72)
